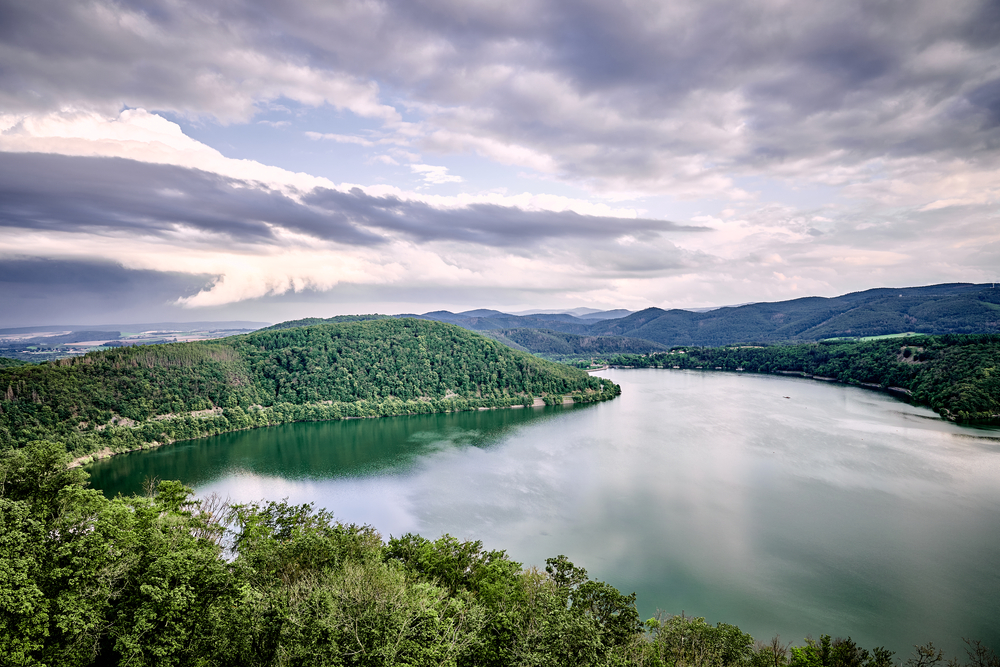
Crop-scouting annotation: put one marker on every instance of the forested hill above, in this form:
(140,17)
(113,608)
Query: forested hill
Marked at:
(557,344)
(130,397)
(310,321)
(958,376)
(935,309)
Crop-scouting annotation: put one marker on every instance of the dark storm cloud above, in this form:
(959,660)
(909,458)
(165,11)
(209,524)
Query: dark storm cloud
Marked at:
(636,95)
(789,61)
(811,78)
(72,194)
(62,193)
(987,98)
(47,291)
(483,224)
(751,86)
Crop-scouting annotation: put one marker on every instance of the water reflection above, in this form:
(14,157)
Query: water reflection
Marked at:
(832,510)
(313,450)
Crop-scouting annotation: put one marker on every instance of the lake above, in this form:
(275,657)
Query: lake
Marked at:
(778,504)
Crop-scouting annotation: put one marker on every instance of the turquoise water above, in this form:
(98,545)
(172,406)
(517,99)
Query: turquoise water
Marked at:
(777,504)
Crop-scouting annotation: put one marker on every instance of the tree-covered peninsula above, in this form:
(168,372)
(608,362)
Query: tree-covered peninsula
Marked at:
(131,397)
(956,375)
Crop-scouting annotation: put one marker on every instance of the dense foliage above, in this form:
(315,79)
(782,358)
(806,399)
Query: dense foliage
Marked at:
(558,345)
(165,579)
(958,376)
(135,396)
(310,321)
(405,359)
(6,362)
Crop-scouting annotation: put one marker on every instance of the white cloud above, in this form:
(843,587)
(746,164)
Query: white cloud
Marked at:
(435,175)
(680,99)
(340,138)
(140,135)
(692,269)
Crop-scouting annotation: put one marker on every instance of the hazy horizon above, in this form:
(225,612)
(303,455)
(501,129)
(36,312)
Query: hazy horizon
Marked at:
(582,312)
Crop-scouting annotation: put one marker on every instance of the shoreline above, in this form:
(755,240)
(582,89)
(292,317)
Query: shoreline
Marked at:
(900,393)
(107,453)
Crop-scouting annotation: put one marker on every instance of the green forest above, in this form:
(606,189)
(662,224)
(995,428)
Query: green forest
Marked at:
(7,363)
(557,345)
(956,375)
(164,579)
(133,397)
(310,321)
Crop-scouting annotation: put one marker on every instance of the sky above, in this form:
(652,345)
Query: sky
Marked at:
(177,160)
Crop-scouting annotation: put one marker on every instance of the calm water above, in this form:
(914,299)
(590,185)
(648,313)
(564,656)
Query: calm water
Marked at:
(778,504)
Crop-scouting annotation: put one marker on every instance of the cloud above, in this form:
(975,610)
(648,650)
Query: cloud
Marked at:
(857,142)
(384,159)
(340,138)
(480,223)
(65,291)
(434,175)
(256,241)
(112,195)
(191,58)
(136,134)
(680,98)
(683,98)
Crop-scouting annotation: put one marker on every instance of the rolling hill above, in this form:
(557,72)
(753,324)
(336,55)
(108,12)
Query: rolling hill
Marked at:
(934,309)
(136,396)
(557,344)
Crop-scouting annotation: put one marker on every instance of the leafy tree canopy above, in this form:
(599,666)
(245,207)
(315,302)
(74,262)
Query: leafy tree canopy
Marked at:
(136,396)
(170,579)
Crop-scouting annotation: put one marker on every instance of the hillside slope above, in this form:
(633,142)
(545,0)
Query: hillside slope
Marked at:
(493,320)
(559,344)
(120,399)
(935,309)
(311,321)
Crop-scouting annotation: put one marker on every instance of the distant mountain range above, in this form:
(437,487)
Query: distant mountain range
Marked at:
(934,309)
(582,313)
